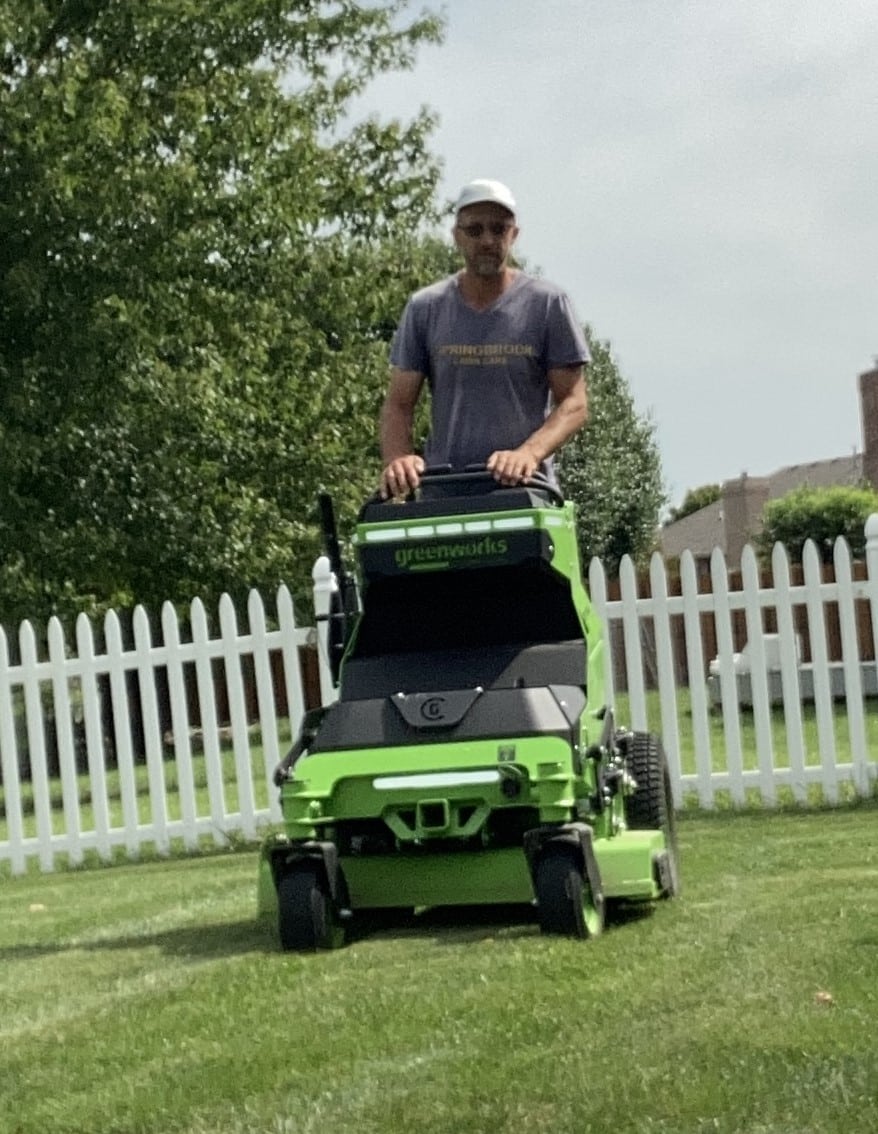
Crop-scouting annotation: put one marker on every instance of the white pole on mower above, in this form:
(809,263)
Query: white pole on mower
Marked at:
(325,586)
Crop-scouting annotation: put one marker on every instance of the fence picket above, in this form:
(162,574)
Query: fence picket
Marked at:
(14,849)
(851,665)
(729,700)
(670,730)
(122,741)
(753,604)
(818,637)
(597,585)
(180,724)
(789,672)
(264,692)
(145,660)
(209,727)
(238,716)
(633,648)
(286,620)
(697,683)
(36,744)
(97,765)
(63,719)
(872,578)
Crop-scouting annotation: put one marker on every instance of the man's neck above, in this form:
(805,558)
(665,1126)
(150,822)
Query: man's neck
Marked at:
(481,291)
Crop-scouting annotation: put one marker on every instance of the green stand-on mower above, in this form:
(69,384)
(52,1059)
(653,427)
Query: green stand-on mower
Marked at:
(470,758)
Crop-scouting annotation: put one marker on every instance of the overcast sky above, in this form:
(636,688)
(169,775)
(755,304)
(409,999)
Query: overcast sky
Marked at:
(702,177)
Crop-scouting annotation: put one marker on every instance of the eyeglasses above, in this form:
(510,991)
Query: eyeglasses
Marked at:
(496,228)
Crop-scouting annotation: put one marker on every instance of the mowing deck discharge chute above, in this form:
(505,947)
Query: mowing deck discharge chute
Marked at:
(471,757)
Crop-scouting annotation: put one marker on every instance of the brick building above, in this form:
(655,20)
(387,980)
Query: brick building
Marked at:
(735,519)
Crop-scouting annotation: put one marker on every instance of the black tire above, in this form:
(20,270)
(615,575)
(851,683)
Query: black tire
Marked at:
(646,808)
(305,915)
(564,900)
(651,806)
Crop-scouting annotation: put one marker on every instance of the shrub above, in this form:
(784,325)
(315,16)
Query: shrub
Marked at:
(818,514)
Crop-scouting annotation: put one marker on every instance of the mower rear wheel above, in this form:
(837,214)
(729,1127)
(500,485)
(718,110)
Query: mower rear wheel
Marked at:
(306,918)
(651,806)
(565,902)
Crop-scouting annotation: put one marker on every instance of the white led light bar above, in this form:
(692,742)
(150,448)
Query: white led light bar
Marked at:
(385,535)
(514,524)
(426,531)
(435,780)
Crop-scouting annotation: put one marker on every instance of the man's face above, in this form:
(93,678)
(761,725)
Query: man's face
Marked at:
(485,233)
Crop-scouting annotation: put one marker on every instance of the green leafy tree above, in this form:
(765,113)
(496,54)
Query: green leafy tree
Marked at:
(201,261)
(818,514)
(694,500)
(612,469)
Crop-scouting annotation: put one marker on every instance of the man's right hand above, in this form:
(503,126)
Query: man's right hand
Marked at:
(401,476)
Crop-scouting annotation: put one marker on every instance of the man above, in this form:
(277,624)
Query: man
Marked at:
(502,352)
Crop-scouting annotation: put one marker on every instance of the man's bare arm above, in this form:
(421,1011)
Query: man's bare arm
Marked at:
(402,467)
(568,415)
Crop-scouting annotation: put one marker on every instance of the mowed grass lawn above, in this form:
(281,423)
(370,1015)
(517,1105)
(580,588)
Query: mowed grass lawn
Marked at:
(146,998)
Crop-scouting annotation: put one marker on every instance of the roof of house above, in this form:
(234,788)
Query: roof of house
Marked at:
(700,532)
(816,474)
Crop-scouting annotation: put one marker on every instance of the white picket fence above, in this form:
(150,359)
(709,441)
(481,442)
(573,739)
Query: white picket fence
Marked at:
(65,687)
(737,772)
(93,818)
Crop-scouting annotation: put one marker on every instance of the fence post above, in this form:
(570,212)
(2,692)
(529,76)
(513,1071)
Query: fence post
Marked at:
(293,676)
(789,672)
(818,638)
(697,679)
(180,727)
(730,704)
(64,741)
(94,739)
(121,704)
(152,741)
(265,698)
(753,605)
(872,586)
(36,744)
(9,764)
(658,589)
(850,652)
(872,576)
(204,676)
(230,635)
(597,590)
(633,653)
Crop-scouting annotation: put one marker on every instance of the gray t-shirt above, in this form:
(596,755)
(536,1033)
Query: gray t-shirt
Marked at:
(487,369)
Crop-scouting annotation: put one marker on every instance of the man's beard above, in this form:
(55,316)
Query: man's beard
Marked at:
(487,266)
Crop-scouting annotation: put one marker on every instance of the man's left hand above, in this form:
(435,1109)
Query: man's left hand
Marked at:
(512,466)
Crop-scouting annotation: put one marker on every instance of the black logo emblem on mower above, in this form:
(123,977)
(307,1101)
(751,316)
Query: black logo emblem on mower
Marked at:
(436,710)
(433,709)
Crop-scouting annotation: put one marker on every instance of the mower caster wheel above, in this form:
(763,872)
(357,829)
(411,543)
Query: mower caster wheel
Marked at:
(564,899)
(652,804)
(306,917)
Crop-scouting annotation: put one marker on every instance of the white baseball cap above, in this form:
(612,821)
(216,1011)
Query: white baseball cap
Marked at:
(484,191)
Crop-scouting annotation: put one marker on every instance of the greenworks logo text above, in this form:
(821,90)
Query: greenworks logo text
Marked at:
(447,552)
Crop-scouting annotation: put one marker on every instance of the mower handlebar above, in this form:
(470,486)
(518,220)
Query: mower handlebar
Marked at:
(472,474)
